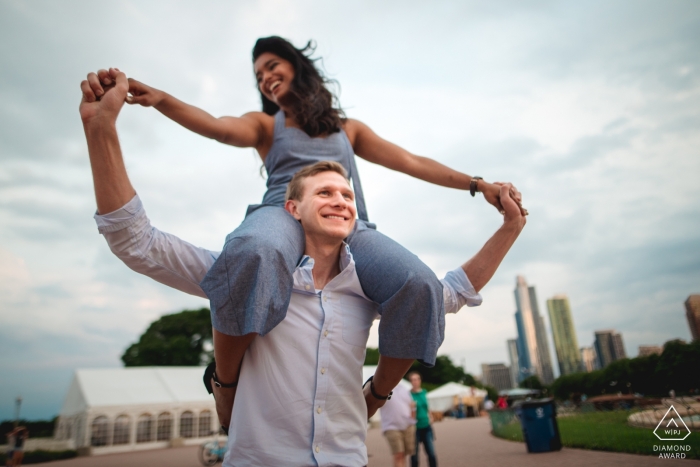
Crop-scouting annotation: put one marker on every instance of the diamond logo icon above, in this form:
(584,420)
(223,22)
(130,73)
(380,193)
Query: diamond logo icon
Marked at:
(672,427)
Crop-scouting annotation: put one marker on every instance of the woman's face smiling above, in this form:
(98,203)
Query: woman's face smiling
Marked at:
(274,76)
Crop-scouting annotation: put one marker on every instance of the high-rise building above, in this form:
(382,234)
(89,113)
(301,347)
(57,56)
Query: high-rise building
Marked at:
(608,347)
(514,362)
(692,312)
(533,350)
(496,375)
(646,350)
(589,359)
(565,342)
(618,347)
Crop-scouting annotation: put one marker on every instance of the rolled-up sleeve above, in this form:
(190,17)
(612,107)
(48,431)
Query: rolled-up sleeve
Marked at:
(159,255)
(458,291)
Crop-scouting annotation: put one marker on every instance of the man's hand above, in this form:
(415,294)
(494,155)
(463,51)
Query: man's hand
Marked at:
(373,404)
(143,94)
(224,398)
(513,212)
(492,194)
(482,266)
(104,94)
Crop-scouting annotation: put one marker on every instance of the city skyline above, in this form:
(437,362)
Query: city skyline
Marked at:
(607,345)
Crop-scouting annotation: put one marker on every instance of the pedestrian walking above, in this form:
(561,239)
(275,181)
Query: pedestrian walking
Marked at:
(424,421)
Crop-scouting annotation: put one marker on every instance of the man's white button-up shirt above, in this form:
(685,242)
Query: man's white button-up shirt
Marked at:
(299,399)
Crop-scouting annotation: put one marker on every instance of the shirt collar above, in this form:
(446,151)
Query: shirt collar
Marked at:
(303,275)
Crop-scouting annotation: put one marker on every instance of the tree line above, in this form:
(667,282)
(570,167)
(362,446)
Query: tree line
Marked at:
(677,368)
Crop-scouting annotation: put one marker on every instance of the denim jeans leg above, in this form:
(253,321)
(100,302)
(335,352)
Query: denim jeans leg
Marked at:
(430,447)
(412,321)
(250,284)
(414,457)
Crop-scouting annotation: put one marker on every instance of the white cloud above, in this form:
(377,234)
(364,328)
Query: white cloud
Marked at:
(593,112)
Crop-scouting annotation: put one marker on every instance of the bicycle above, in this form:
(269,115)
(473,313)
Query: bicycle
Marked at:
(212,451)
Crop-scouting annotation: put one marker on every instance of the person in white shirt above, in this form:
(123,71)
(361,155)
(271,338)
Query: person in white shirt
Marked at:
(301,387)
(399,424)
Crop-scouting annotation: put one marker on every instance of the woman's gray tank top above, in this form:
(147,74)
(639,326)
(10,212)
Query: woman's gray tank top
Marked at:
(292,149)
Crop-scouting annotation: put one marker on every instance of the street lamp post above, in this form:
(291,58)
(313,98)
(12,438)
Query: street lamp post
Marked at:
(18,404)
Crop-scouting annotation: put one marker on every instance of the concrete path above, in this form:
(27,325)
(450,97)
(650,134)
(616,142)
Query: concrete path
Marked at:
(465,442)
(468,442)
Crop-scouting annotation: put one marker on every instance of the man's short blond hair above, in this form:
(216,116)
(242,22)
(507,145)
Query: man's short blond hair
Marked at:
(295,189)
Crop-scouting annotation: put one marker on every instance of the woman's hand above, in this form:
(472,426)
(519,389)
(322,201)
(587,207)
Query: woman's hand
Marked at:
(492,194)
(143,94)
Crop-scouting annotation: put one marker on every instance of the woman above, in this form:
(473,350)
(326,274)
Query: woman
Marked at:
(250,285)
(424,421)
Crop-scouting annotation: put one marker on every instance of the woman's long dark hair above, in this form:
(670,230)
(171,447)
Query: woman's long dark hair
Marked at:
(313,103)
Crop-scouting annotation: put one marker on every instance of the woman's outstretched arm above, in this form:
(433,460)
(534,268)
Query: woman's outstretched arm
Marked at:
(244,132)
(373,148)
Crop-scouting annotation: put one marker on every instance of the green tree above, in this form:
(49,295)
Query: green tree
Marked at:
(531,382)
(372,356)
(180,339)
(443,372)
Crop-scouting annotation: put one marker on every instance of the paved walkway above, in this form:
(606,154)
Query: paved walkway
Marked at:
(468,442)
(465,442)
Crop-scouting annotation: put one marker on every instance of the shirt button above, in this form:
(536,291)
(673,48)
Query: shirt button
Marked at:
(323,371)
(325,299)
(307,286)
(319,410)
(325,333)
(318,449)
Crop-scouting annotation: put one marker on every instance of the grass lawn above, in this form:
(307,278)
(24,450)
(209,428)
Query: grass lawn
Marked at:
(605,431)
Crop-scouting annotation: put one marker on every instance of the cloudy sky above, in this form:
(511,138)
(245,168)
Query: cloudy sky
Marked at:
(591,108)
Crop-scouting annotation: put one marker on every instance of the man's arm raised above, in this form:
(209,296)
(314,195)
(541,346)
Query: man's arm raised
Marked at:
(483,265)
(102,101)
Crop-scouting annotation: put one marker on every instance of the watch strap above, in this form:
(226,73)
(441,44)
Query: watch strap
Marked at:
(473,184)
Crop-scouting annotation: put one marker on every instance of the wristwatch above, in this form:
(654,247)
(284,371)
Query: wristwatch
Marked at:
(473,185)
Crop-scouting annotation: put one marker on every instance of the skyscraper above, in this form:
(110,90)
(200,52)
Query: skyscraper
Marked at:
(609,347)
(565,342)
(692,312)
(533,350)
(589,359)
(514,362)
(496,375)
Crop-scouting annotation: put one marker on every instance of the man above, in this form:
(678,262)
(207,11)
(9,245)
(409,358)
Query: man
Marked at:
(399,424)
(424,421)
(302,402)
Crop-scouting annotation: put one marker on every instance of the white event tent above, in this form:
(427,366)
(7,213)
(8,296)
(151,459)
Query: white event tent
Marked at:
(123,409)
(443,398)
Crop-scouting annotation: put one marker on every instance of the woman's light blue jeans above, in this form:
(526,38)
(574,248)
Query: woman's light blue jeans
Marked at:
(251,282)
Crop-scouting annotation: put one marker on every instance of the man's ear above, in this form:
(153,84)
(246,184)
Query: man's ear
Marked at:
(292,208)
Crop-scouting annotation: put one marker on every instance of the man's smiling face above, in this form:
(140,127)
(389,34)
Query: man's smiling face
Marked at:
(326,208)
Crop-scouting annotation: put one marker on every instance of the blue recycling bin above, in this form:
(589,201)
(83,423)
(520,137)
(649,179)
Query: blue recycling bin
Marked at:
(538,419)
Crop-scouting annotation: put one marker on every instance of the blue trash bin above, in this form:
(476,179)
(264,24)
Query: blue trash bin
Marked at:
(538,419)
